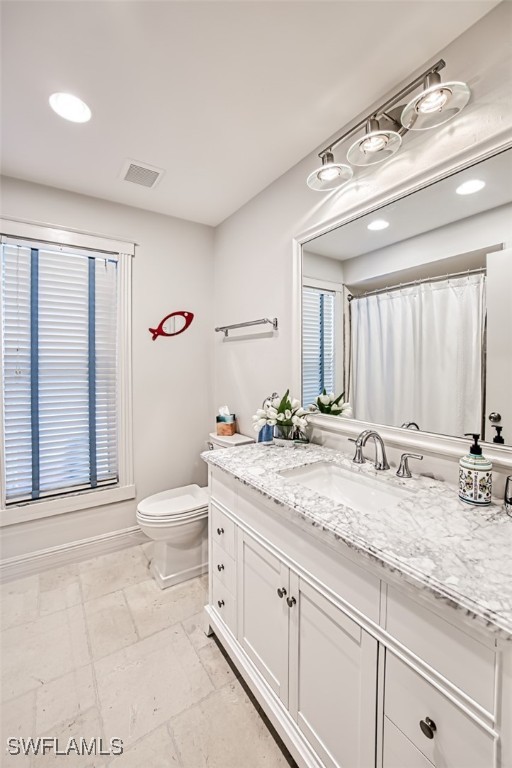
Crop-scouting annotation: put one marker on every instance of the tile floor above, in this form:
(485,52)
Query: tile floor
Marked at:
(96,649)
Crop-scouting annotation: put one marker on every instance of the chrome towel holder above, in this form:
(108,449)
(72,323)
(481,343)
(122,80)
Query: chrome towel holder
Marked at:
(264,321)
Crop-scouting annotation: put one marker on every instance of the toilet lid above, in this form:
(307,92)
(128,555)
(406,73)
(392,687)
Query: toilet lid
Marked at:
(176,502)
(201,511)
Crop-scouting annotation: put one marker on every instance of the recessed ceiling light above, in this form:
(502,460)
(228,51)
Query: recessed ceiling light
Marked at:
(470,187)
(378,224)
(70,107)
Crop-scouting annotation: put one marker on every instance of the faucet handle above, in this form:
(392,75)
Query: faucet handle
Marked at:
(358,456)
(403,469)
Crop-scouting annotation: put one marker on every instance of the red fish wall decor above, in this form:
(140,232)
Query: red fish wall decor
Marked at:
(173,324)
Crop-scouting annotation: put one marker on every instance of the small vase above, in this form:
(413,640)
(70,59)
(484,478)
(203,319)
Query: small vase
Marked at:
(284,435)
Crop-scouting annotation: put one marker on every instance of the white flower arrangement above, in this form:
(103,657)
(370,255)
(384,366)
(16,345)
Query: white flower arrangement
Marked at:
(284,412)
(335,406)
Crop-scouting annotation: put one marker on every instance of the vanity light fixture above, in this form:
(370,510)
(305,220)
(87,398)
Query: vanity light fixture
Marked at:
(470,186)
(436,104)
(385,127)
(330,175)
(70,107)
(377,225)
(375,146)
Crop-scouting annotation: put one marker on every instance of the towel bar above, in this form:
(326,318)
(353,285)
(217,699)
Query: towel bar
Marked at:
(226,328)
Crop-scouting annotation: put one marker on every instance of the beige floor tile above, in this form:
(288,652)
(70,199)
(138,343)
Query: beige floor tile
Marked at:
(16,721)
(19,602)
(64,699)
(87,726)
(109,624)
(109,573)
(142,686)
(154,609)
(215,663)
(156,750)
(59,589)
(194,627)
(225,731)
(34,653)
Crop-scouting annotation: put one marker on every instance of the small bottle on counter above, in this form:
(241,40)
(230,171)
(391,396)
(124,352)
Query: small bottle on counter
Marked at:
(475,475)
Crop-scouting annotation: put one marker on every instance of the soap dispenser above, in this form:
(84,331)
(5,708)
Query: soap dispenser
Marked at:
(475,476)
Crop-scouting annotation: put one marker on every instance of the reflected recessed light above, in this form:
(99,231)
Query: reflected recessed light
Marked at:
(70,107)
(378,224)
(470,187)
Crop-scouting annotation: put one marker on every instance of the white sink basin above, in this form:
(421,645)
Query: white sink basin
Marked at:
(353,489)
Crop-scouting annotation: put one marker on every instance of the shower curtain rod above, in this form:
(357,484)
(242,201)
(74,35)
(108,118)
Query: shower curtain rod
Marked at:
(397,287)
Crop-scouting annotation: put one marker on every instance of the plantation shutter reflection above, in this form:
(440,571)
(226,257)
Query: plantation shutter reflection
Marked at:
(59,367)
(317,343)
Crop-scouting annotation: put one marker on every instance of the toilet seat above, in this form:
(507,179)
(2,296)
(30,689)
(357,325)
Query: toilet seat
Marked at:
(174,504)
(173,519)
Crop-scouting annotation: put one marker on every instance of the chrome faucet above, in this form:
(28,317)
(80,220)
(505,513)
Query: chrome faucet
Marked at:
(381,461)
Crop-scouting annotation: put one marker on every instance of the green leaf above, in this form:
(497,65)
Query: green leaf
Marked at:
(337,401)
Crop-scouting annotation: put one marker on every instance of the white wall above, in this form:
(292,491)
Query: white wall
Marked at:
(253,248)
(172,403)
(477,232)
(321,267)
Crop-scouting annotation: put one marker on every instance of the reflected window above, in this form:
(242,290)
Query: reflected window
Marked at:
(318,343)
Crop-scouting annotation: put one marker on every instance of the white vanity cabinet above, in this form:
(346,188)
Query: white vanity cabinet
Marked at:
(351,669)
(263,613)
(320,663)
(333,679)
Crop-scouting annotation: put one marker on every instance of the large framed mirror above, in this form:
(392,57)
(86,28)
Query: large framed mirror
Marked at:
(408,309)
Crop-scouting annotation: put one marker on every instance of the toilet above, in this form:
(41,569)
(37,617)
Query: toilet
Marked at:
(177,521)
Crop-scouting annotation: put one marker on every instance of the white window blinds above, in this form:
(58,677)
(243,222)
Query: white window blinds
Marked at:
(317,343)
(59,365)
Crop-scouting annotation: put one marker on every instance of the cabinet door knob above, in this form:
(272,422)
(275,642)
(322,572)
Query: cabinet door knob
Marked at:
(220,531)
(291,601)
(281,592)
(428,727)
(220,603)
(220,567)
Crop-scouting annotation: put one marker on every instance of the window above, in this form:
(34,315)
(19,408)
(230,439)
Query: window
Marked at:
(318,364)
(64,367)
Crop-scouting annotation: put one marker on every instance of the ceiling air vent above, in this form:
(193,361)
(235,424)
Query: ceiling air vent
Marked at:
(139,173)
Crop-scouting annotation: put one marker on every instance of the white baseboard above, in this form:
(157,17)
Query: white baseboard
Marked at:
(53,557)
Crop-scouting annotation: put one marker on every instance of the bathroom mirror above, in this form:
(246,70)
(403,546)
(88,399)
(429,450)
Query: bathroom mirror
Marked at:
(408,310)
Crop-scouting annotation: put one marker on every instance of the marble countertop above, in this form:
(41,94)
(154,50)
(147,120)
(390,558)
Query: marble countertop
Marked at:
(458,553)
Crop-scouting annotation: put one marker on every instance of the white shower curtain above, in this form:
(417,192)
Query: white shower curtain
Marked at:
(417,355)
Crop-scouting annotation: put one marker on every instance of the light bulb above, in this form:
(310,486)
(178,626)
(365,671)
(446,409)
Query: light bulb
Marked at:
(378,224)
(470,187)
(70,107)
(330,175)
(374,143)
(328,172)
(434,101)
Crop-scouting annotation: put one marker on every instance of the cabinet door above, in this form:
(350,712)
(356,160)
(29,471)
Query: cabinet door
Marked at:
(333,680)
(262,613)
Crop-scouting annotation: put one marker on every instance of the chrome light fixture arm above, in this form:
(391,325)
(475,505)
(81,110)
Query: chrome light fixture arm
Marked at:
(383,109)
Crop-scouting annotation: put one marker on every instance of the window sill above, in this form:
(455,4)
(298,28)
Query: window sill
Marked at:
(49,507)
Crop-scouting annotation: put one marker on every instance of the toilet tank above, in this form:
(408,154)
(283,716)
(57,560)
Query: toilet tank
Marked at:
(227,441)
